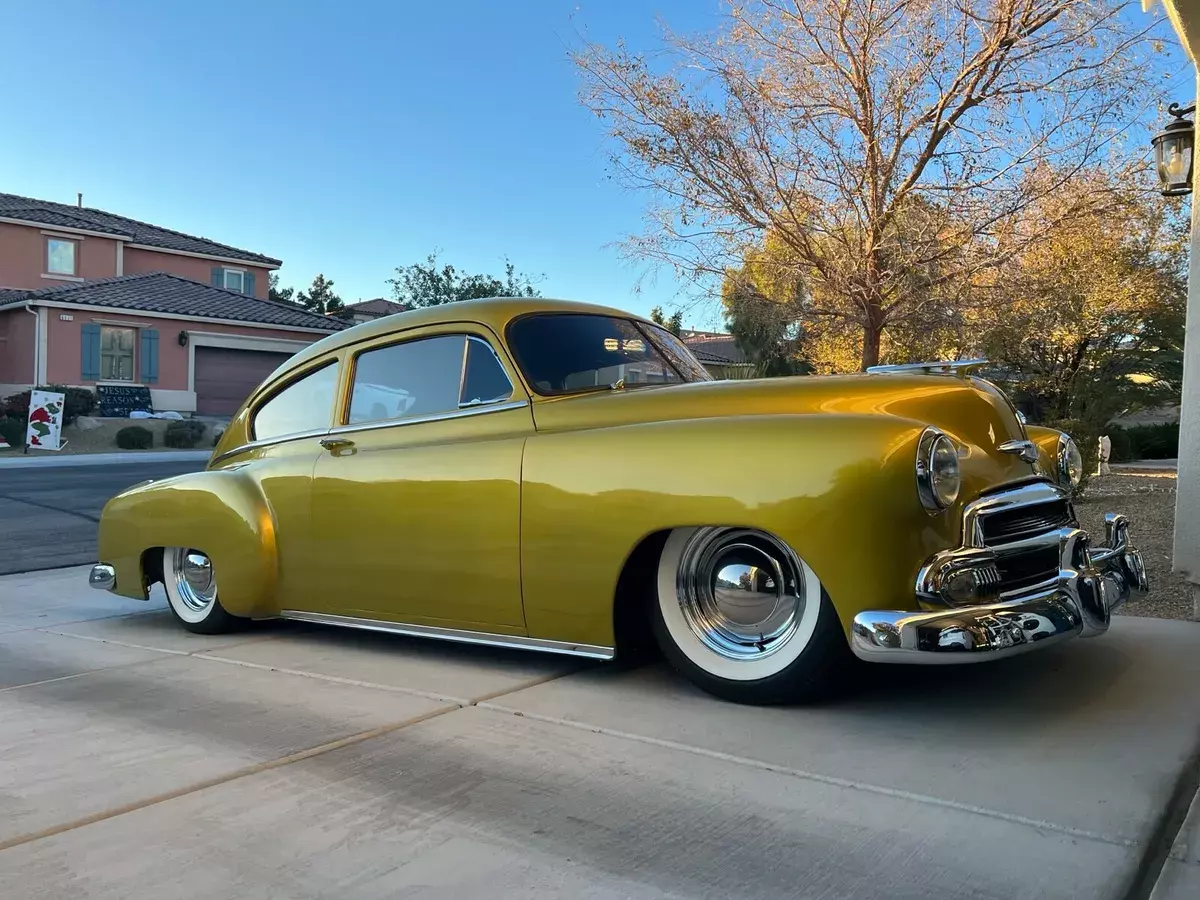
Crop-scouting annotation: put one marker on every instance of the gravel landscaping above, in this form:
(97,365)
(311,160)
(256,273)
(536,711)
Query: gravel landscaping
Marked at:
(1148,498)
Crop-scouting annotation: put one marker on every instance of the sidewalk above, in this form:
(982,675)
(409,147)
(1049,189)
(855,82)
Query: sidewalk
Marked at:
(101,459)
(1164,464)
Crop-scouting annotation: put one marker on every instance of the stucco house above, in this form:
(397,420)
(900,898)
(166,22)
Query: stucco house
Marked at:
(88,298)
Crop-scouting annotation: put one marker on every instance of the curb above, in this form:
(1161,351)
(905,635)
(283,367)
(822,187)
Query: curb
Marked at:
(103,459)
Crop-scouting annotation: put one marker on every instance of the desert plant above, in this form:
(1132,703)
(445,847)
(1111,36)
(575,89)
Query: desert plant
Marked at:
(1155,441)
(135,437)
(184,433)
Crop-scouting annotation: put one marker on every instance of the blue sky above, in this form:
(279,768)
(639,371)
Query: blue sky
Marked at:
(344,138)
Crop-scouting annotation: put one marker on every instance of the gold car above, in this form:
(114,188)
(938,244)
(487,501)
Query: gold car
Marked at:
(568,478)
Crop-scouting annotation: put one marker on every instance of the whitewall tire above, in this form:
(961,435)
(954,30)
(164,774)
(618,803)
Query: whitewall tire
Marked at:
(744,617)
(191,586)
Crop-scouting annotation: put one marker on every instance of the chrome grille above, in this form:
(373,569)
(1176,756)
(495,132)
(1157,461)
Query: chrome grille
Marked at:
(1027,567)
(1025,521)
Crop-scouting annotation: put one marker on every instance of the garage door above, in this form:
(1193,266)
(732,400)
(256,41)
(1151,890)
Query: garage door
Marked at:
(224,377)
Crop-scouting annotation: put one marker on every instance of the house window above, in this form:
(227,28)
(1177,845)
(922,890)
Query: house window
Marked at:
(235,280)
(60,256)
(116,353)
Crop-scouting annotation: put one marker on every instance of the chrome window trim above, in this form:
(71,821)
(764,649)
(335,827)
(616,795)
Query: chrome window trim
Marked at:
(462,379)
(462,636)
(268,442)
(372,426)
(432,417)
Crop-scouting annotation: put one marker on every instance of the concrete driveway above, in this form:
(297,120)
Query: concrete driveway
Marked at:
(138,761)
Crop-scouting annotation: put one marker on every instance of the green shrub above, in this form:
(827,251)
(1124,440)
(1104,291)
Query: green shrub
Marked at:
(135,437)
(12,429)
(1155,441)
(77,402)
(1122,444)
(184,433)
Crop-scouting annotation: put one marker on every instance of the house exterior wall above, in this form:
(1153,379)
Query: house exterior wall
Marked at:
(23,256)
(173,389)
(16,350)
(138,261)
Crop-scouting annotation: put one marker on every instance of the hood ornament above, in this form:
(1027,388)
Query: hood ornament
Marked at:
(1027,450)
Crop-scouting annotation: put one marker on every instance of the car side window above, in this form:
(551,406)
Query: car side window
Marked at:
(303,405)
(416,378)
(484,378)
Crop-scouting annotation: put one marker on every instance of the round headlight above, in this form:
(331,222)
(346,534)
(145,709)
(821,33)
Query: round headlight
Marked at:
(938,476)
(1070,462)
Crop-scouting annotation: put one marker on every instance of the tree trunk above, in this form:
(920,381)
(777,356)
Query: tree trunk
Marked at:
(872,334)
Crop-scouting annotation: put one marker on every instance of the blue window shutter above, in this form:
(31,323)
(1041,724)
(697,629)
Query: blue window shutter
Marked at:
(218,276)
(89,369)
(149,355)
(248,284)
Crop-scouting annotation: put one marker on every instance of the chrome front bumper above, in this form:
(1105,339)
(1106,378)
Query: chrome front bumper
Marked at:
(1091,583)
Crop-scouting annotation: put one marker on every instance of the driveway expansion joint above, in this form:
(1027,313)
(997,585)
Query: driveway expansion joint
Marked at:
(866,787)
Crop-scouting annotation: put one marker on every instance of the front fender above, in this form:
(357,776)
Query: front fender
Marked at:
(839,489)
(1046,441)
(220,512)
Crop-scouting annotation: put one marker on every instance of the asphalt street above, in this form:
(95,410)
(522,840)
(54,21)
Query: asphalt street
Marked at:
(48,515)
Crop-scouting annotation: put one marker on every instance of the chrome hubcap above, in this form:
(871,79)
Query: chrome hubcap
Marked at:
(194,579)
(741,592)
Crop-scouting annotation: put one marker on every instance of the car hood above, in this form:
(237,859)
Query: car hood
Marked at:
(969,409)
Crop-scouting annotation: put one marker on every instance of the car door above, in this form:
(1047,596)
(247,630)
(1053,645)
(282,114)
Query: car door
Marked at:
(417,497)
(285,428)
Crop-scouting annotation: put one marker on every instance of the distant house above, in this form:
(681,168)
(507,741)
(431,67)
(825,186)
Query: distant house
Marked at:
(89,298)
(368,310)
(719,354)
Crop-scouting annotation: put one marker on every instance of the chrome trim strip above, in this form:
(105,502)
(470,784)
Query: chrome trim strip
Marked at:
(432,417)
(371,426)
(268,442)
(590,651)
(960,367)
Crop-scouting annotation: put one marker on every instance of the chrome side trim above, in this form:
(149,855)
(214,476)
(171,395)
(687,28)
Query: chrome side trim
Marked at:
(371,426)
(268,442)
(960,367)
(590,651)
(433,417)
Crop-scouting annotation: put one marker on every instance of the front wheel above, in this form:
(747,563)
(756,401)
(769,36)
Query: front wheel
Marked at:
(191,586)
(744,618)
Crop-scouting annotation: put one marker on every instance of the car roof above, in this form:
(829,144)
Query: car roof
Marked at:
(493,312)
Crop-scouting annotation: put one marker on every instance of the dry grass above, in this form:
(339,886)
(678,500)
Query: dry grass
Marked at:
(1148,498)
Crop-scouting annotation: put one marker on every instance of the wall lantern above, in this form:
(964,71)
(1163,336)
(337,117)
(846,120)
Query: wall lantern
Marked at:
(183,338)
(1174,148)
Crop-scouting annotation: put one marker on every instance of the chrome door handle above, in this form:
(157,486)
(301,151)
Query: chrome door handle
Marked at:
(335,444)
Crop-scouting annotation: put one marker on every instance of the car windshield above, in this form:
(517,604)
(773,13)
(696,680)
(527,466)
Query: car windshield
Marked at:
(566,353)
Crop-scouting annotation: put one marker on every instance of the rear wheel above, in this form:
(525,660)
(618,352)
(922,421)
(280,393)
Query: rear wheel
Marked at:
(744,618)
(191,587)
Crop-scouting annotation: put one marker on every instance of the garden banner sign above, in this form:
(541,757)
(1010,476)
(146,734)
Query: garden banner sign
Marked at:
(45,420)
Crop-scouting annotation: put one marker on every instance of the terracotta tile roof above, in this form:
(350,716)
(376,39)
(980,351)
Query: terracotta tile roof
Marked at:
(66,216)
(170,294)
(377,307)
(714,344)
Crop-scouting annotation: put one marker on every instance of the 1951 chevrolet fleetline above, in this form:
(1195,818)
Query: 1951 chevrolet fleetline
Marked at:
(564,477)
